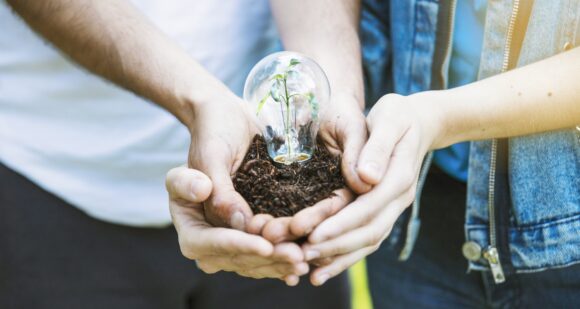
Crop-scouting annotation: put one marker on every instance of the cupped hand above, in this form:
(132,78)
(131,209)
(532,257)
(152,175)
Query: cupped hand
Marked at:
(221,133)
(401,133)
(284,229)
(344,132)
(216,248)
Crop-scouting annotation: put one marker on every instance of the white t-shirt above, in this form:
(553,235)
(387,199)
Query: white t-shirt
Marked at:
(96,146)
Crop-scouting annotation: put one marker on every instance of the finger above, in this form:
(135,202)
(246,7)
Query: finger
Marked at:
(401,176)
(226,207)
(279,270)
(354,140)
(196,240)
(278,230)
(374,156)
(368,235)
(207,267)
(304,222)
(213,264)
(257,223)
(321,262)
(291,280)
(189,184)
(288,252)
(320,275)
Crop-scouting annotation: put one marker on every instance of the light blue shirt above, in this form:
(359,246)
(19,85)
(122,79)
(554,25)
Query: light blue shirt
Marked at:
(463,69)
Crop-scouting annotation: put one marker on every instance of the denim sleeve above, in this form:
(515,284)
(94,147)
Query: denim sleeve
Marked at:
(374,34)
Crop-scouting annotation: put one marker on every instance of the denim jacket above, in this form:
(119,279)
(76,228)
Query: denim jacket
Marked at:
(406,49)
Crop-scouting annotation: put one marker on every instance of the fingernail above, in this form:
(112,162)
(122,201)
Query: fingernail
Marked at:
(311,255)
(372,168)
(237,221)
(322,279)
(193,195)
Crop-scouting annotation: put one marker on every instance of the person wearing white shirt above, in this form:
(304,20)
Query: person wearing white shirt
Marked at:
(83,212)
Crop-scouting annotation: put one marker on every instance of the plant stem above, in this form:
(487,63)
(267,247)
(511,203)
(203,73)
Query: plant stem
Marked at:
(287,124)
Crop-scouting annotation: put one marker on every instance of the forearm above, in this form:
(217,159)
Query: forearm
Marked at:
(113,39)
(539,97)
(327,31)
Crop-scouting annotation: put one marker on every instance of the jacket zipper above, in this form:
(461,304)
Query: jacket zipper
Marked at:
(491,253)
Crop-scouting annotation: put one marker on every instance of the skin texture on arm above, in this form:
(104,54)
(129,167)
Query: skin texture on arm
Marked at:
(543,96)
(114,40)
(540,97)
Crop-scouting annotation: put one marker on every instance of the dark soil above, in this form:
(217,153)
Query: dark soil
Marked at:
(283,190)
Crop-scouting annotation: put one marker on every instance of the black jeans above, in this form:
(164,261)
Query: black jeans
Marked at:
(435,274)
(54,256)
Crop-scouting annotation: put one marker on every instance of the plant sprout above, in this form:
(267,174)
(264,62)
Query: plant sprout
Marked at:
(279,93)
(288,89)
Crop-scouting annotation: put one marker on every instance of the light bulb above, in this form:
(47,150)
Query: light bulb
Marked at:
(288,91)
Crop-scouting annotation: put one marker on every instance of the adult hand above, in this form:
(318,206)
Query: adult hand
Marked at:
(221,132)
(401,133)
(278,230)
(343,131)
(216,248)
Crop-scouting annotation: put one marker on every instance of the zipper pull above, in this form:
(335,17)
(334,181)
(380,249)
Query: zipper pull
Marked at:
(492,256)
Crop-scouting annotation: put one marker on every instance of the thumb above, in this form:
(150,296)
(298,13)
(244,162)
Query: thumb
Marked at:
(226,207)
(188,184)
(375,155)
(354,140)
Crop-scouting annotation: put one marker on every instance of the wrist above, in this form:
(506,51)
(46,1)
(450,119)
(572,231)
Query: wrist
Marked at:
(350,97)
(193,102)
(437,117)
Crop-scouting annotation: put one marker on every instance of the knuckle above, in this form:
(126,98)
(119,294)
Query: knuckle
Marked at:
(376,151)
(407,178)
(409,196)
(368,215)
(336,249)
(186,249)
(375,236)
(239,262)
(206,267)
(412,192)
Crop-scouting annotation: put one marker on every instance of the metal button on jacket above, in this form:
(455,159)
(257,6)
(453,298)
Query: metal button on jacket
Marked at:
(471,251)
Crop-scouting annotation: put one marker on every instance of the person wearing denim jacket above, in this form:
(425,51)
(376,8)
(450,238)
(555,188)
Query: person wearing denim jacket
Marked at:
(523,195)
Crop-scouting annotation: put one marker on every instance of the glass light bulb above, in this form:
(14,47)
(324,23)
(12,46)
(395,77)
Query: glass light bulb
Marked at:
(288,91)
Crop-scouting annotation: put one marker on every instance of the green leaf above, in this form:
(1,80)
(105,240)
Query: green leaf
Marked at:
(275,91)
(277,77)
(262,102)
(292,73)
(294,62)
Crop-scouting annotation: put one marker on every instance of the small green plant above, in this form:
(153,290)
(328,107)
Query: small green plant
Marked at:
(280,94)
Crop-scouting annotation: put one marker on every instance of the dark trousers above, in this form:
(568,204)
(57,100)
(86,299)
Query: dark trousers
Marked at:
(54,256)
(435,275)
